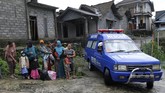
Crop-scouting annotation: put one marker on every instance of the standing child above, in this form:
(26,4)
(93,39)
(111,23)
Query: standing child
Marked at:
(67,66)
(24,65)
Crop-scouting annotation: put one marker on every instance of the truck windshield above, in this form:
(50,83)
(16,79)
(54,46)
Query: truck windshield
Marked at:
(113,46)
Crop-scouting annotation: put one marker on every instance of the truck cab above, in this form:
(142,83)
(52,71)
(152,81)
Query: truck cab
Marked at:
(119,59)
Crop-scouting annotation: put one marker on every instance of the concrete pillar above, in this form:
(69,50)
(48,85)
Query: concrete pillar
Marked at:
(146,21)
(27,20)
(86,32)
(55,25)
(137,7)
(86,27)
(137,22)
(62,34)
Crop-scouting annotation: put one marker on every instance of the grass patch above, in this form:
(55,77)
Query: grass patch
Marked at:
(80,63)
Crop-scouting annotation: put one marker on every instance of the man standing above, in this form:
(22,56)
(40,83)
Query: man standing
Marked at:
(10,53)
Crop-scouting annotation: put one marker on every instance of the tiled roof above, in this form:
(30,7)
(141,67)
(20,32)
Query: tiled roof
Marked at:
(124,2)
(104,7)
(82,11)
(87,8)
(78,11)
(42,5)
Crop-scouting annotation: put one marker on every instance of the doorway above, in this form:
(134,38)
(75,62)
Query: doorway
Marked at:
(33,28)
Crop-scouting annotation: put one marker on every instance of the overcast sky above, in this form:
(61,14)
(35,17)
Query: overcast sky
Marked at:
(63,4)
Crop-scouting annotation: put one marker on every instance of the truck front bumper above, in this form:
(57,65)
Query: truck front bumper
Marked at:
(136,76)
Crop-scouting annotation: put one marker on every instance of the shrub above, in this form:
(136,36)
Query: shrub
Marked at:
(3,67)
(157,53)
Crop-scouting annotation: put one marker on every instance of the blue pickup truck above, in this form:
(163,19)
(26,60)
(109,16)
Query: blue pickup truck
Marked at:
(119,59)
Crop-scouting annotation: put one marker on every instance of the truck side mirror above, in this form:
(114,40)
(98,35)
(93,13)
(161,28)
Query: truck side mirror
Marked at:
(100,47)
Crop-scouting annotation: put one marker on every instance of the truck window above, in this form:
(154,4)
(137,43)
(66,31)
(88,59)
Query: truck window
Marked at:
(120,46)
(89,44)
(94,44)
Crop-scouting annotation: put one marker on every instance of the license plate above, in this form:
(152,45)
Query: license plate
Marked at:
(141,76)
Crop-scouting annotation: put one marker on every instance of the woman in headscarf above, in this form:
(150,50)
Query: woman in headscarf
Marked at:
(32,54)
(60,51)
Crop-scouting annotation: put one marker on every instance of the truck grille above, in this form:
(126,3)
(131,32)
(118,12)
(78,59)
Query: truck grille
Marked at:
(130,68)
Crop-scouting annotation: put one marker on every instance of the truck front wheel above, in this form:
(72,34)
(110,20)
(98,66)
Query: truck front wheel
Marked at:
(107,77)
(150,85)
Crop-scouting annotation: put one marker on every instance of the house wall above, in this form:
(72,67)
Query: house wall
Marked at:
(147,8)
(41,14)
(162,33)
(123,22)
(13,19)
(102,22)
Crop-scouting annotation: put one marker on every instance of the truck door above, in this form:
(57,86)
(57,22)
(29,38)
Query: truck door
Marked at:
(99,55)
(93,57)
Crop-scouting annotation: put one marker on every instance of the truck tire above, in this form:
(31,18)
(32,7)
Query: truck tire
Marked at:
(90,66)
(107,77)
(150,85)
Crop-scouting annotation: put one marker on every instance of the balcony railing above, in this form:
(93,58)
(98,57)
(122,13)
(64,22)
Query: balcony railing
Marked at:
(142,26)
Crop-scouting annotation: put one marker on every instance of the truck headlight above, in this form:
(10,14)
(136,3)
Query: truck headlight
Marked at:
(120,67)
(156,67)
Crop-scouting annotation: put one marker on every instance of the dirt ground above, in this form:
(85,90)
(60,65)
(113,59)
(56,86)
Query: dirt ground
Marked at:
(92,82)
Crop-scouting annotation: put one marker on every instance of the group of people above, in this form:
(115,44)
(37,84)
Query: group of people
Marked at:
(52,54)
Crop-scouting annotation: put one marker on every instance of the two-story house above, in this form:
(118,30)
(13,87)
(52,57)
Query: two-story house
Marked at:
(138,14)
